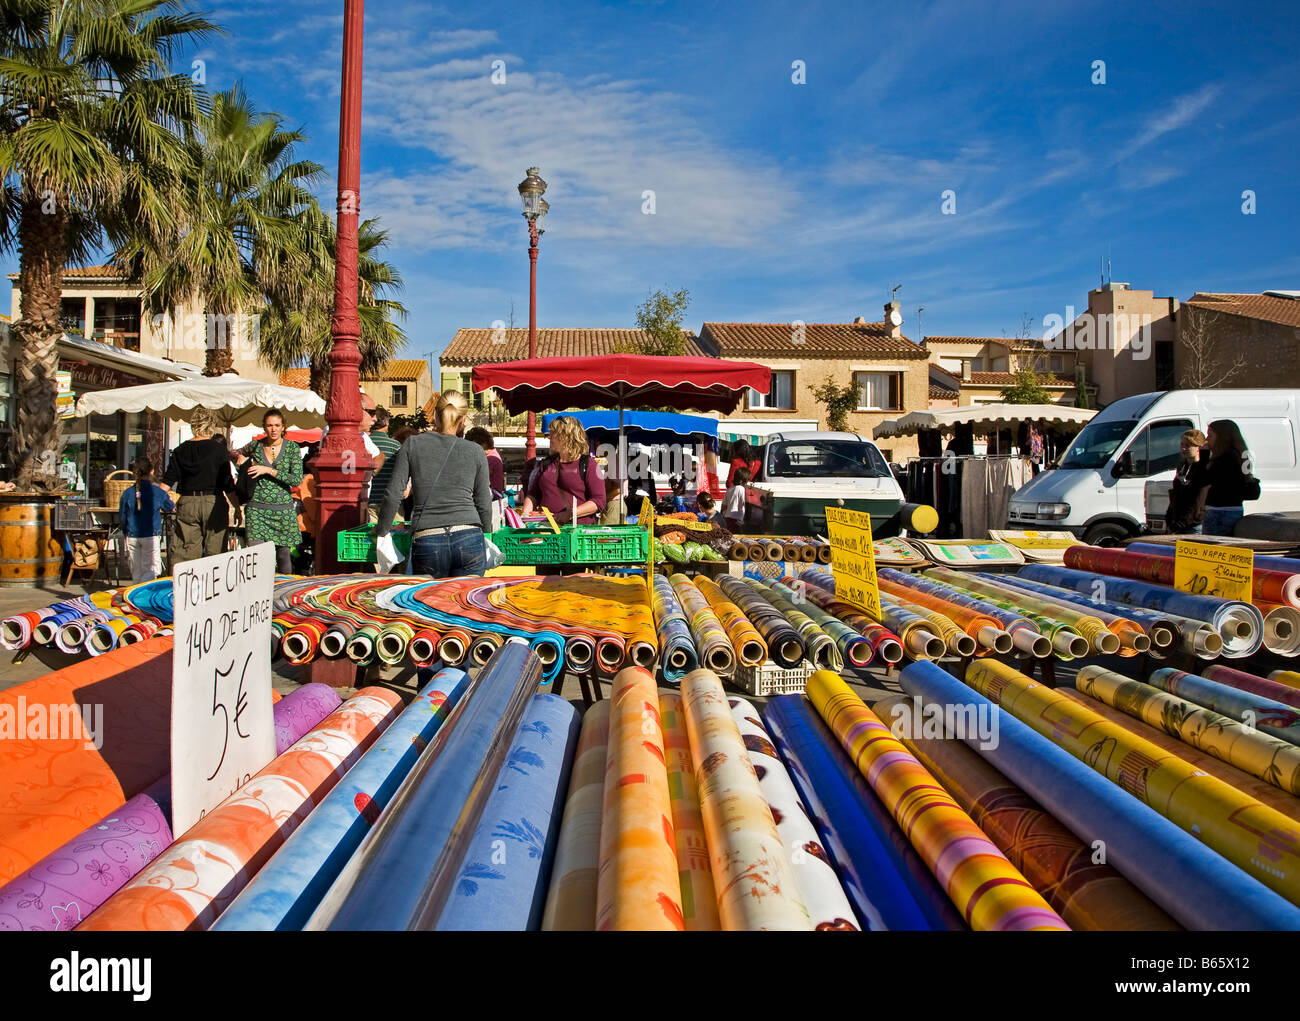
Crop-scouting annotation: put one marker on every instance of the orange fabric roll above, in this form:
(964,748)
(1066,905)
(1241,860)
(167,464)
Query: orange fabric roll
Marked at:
(53,788)
(695,874)
(190,884)
(971,621)
(638,886)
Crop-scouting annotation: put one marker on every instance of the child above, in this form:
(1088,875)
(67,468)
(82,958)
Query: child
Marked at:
(613,502)
(733,506)
(140,512)
(708,509)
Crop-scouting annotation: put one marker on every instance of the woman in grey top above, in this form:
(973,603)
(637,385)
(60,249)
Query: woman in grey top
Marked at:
(450,494)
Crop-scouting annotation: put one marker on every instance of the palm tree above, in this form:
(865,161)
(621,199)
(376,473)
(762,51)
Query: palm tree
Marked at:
(242,238)
(89,115)
(297,332)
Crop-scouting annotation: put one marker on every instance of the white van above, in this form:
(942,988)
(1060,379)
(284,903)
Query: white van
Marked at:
(1097,488)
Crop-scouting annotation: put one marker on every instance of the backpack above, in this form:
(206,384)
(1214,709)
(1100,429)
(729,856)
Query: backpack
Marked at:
(583,462)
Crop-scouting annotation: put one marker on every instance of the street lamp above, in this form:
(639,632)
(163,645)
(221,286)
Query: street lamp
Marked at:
(531,190)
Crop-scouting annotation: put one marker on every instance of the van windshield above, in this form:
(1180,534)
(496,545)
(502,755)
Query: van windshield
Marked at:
(1093,447)
(825,459)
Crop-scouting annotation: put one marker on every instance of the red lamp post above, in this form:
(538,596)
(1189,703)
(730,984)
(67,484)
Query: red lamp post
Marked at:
(531,190)
(343,462)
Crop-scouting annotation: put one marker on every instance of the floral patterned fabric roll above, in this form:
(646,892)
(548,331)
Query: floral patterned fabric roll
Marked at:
(752,873)
(819,886)
(699,900)
(638,886)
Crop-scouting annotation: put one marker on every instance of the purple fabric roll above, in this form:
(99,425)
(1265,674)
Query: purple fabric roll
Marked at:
(65,886)
(300,710)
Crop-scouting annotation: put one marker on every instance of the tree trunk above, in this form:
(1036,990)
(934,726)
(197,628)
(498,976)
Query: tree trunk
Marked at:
(36,435)
(220,340)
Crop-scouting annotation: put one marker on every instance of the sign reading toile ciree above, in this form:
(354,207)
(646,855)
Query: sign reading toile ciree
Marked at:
(223,730)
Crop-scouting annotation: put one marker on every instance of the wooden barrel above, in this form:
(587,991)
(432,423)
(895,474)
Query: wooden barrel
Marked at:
(31,554)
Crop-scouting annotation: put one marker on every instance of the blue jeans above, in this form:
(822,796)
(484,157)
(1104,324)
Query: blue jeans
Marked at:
(1220,520)
(450,554)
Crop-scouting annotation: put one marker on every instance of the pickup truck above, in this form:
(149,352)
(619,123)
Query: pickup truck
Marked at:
(803,473)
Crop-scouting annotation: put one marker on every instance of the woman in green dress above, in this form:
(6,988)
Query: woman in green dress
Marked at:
(270,515)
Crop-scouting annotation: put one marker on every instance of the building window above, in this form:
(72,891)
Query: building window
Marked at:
(399,397)
(780,397)
(879,391)
(475,401)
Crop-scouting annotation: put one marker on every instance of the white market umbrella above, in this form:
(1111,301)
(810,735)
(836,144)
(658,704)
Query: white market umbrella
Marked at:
(235,401)
(982,417)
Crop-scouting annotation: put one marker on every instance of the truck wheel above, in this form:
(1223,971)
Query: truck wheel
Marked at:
(1107,533)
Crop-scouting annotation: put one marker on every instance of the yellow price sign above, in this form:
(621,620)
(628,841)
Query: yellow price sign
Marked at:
(1207,569)
(853,561)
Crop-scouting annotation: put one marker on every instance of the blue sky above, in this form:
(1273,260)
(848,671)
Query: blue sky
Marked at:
(777,201)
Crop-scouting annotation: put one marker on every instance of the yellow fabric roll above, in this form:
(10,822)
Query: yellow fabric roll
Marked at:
(1291,678)
(752,873)
(571,899)
(986,888)
(695,873)
(1261,841)
(733,620)
(637,888)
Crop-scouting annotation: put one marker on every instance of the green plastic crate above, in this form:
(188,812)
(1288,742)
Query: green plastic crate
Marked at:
(609,544)
(357,545)
(523,546)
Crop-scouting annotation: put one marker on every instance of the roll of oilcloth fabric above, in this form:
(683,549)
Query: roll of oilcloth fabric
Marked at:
(1274,718)
(1268,586)
(694,870)
(1290,678)
(1189,880)
(884,643)
(1237,826)
(884,878)
(1128,632)
(300,710)
(750,648)
(64,887)
(1252,786)
(1237,744)
(403,872)
(1089,895)
(1243,681)
(1239,624)
(958,642)
(638,887)
(852,645)
(819,887)
(818,646)
(1162,628)
(237,837)
(677,654)
(711,641)
(502,880)
(571,898)
(757,889)
(783,644)
(989,891)
(288,888)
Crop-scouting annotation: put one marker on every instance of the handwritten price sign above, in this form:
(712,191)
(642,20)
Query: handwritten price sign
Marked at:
(222,727)
(1207,569)
(853,561)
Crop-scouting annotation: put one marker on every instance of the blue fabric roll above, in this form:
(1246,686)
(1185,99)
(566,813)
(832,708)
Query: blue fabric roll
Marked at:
(1193,883)
(886,882)
(289,886)
(504,876)
(404,872)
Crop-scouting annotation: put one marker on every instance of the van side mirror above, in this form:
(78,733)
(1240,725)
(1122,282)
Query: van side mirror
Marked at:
(1122,467)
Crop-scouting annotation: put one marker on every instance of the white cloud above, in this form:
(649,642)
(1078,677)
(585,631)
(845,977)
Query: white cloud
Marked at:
(1184,110)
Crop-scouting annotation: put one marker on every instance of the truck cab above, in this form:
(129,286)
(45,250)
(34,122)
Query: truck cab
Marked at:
(803,473)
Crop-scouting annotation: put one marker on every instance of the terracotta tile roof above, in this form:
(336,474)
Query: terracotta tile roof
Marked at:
(429,405)
(1007,378)
(473,346)
(300,378)
(820,340)
(967,340)
(1267,307)
(942,393)
(400,370)
(85,272)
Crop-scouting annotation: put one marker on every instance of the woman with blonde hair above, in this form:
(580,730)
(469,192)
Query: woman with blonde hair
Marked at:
(199,473)
(567,476)
(449,488)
